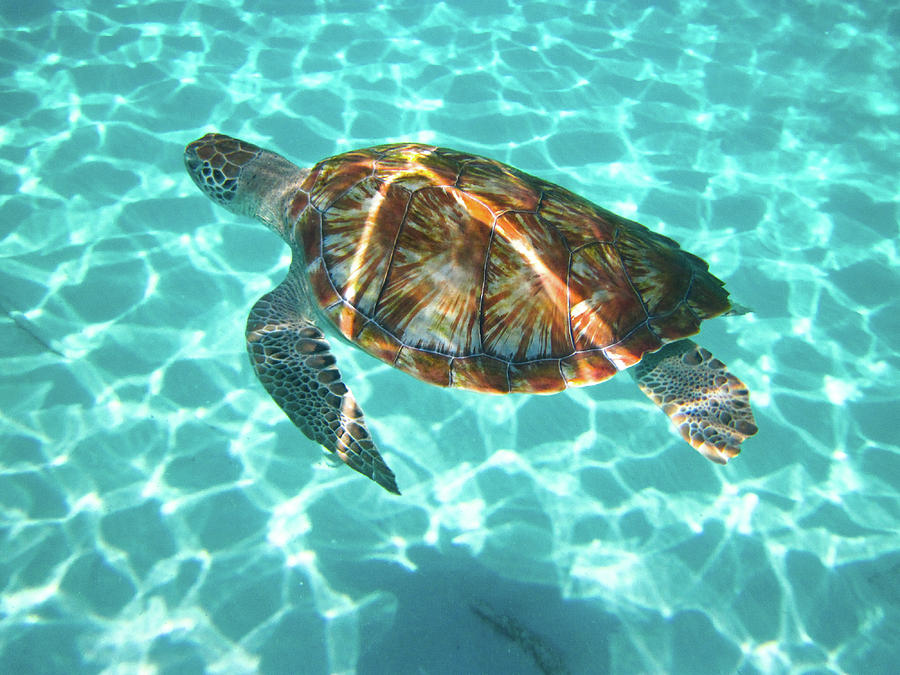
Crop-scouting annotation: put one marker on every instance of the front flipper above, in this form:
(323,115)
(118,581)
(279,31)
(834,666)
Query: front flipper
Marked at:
(294,362)
(707,404)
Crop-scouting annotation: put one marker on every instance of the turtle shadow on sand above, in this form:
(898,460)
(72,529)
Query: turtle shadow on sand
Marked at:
(454,615)
(546,657)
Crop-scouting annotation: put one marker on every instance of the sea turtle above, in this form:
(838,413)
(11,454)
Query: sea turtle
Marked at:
(465,272)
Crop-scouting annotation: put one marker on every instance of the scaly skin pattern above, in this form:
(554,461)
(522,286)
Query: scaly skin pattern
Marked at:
(293,361)
(465,272)
(708,405)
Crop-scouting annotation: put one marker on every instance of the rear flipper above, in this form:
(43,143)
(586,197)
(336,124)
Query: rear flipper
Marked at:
(294,362)
(706,403)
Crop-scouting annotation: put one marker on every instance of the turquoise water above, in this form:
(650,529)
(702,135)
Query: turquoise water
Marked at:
(158,513)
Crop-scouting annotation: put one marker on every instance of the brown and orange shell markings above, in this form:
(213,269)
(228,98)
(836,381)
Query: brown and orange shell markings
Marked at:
(465,272)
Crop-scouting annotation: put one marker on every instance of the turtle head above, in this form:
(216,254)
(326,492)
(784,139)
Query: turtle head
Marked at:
(242,177)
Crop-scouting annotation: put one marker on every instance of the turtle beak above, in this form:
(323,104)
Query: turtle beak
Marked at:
(191,161)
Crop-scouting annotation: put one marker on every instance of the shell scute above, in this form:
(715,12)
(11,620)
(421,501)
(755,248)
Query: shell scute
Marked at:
(708,296)
(604,306)
(481,373)
(582,368)
(629,351)
(579,221)
(536,377)
(504,188)
(378,342)
(677,324)
(297,206)
(321,285)
(307,229)
(358,249)
(416,167)
(431,296)
(336,175)
(660,274)
(525,309)
(424,364)
(347,318)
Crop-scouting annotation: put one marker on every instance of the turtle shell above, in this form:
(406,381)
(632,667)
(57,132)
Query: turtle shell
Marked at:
(465,272)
